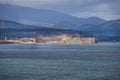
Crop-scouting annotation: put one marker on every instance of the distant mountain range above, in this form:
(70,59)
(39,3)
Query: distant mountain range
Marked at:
(36,16)
(24,22)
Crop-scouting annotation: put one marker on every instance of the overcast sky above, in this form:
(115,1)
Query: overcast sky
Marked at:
(106,9)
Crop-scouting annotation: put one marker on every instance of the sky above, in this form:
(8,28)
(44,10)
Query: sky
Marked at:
(106,9)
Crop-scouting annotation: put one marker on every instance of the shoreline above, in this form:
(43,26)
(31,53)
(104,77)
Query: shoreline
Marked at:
(41,43)
(57,43)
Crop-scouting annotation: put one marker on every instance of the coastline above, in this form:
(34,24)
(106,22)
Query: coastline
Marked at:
(5,42)
(55,39)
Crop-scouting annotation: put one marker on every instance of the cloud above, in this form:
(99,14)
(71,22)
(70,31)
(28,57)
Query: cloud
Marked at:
(108,9)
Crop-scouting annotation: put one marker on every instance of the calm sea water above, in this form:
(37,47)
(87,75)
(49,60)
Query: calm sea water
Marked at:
(60,62)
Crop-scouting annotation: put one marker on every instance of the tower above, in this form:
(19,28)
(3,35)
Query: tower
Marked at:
(5,38)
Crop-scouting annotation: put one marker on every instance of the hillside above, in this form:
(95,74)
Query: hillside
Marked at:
(15,30)
(107,31)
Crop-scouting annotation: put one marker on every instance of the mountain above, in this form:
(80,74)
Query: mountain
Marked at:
(36,16)
(111,29)
(107,31)
(6,24)
(13,29)
(90,21)
(94,20)
(65,25)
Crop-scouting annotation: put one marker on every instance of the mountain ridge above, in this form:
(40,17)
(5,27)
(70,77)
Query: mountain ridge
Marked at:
(18,14)
(13,29)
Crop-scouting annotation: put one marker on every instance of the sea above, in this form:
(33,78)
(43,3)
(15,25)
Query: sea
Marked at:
(100,61)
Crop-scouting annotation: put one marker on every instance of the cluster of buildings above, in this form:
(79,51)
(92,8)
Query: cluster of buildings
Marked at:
(66,39)
(54,39)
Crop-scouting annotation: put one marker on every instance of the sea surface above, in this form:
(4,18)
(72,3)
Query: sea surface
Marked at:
(60,62)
